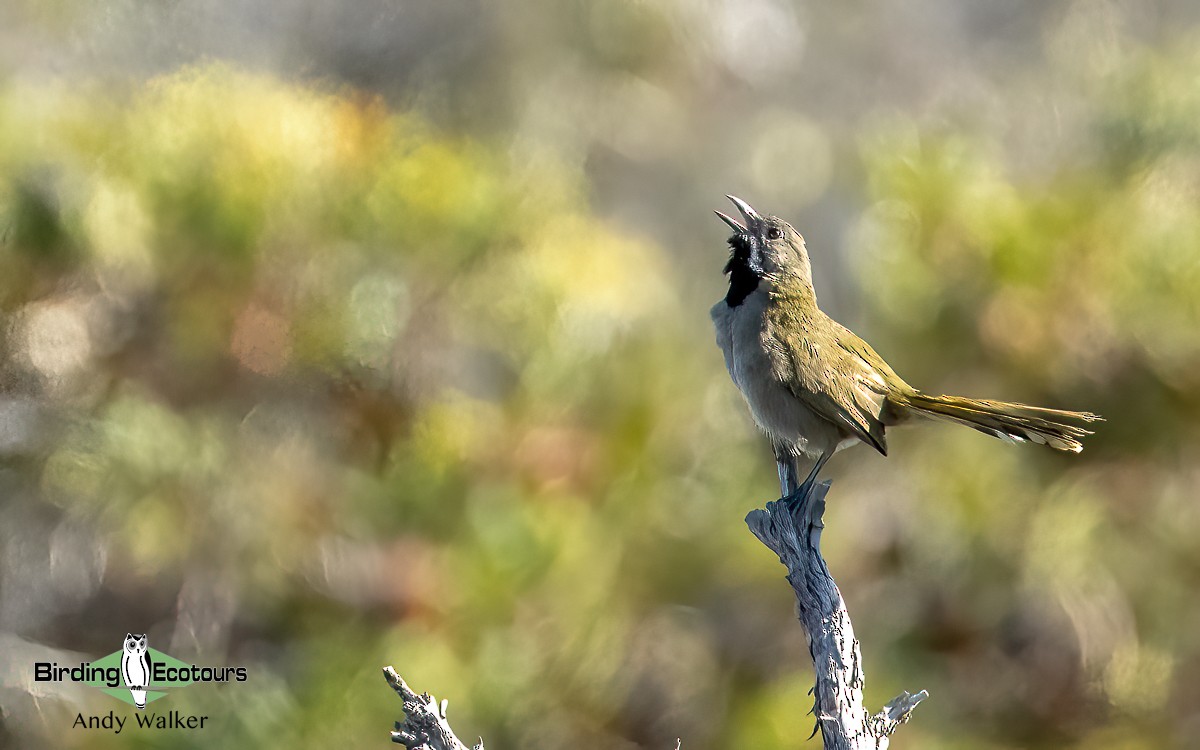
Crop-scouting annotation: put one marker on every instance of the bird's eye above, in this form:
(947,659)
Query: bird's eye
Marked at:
(773,233)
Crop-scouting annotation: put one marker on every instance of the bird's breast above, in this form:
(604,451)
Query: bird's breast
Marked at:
(788,420)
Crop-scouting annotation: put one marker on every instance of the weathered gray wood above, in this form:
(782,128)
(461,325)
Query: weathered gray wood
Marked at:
(425,726)
(795,536)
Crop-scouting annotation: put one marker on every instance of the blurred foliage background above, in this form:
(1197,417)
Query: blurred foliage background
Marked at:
(342,335)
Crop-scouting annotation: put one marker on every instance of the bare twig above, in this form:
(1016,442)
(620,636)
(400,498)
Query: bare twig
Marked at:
(424,726)
(838,706)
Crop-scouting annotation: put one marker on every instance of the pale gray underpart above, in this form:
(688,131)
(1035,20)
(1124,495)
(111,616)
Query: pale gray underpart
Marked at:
(838,694)
(424,726)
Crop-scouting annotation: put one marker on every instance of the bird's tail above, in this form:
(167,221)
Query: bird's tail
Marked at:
(1009,422)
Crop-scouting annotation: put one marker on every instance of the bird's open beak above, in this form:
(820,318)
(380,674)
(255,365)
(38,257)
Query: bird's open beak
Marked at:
(749,215)
(731,222)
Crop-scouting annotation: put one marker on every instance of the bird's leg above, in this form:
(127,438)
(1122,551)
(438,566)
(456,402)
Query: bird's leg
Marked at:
(798,497)
(785,463)
(787,475)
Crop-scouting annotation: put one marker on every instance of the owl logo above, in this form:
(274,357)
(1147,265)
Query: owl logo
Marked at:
(135,667)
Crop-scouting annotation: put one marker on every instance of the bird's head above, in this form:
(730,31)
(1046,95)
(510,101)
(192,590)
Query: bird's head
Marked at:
(762,248)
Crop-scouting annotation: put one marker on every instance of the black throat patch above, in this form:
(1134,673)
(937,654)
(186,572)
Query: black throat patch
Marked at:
(744,269)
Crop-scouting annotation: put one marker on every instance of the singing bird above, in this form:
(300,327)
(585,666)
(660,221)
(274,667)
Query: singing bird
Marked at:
(812,385)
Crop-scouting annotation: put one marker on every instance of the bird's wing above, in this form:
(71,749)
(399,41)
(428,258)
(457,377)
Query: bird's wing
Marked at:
(836,373)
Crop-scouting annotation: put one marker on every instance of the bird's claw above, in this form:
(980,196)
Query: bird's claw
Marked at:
(798,499)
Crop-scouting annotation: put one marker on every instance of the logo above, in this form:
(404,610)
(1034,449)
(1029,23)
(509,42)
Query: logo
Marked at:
(137,674)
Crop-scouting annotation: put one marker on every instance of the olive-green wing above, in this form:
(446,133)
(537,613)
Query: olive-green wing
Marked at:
(836,373)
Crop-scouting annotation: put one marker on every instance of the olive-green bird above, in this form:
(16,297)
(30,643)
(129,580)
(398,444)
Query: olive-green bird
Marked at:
(812,385)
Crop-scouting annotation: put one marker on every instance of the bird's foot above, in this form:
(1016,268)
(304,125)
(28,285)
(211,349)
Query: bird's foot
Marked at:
(808,501)
(799,498)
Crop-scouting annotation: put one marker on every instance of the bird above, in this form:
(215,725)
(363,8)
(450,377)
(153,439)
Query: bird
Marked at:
(135,667)
(812,385)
